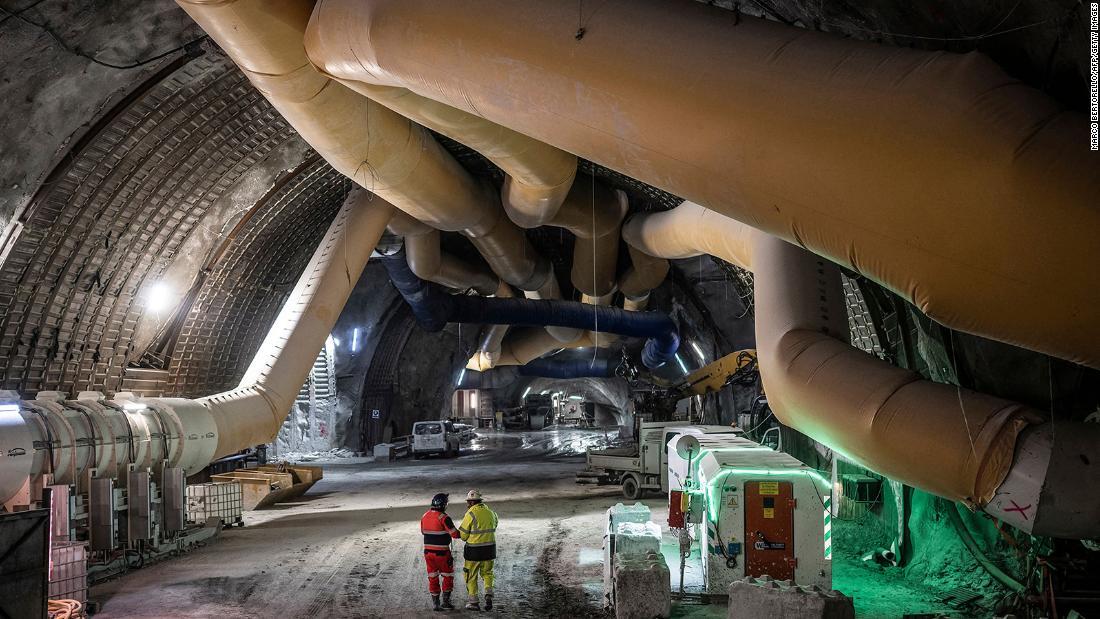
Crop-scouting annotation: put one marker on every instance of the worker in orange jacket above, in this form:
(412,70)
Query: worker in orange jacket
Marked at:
(438,530)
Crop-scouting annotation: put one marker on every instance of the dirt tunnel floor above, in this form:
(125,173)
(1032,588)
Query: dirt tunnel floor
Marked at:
(351,546)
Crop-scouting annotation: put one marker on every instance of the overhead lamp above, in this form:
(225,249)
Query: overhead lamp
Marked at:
(158,297)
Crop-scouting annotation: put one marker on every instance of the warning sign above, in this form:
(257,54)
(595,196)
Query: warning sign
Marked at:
(769,487)
(769,512)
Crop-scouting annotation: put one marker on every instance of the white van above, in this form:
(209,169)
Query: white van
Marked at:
(435,437)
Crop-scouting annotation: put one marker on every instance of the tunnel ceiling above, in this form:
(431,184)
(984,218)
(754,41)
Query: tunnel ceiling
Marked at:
(138,154)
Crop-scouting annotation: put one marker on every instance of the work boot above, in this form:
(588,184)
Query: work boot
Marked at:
(447,601)
(488,602)
(472,604)
(435,602)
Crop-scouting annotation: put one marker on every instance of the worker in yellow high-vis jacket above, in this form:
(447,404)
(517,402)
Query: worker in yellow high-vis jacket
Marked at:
(478,530)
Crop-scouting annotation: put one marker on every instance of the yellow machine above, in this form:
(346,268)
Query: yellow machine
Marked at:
(714,376)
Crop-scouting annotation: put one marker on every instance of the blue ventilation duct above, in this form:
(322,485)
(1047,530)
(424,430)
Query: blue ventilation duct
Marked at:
(434,308)
(539,368)
(574,368)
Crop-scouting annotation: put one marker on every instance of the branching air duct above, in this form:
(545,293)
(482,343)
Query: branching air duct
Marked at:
(374,146)
(434,309)
(66,438)
(916,169)
(429,262)
(950,441)
(645,274)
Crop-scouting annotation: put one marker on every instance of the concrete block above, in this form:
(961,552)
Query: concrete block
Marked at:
(636,539)
(383,451)
(643,588)
(764,597)
(626,513)
(618,514)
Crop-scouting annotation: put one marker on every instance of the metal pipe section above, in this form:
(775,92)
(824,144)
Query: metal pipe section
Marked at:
(434,309)
(379,149)
(919,179)
(68,438)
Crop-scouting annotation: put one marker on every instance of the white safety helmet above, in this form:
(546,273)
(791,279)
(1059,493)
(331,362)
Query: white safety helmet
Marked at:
(473,495)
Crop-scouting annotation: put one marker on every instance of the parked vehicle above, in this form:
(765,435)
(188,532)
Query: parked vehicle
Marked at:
(642,466)
(435,437)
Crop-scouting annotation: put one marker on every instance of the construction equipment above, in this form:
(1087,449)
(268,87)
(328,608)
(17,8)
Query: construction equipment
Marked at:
(738,367)
(271,483)
(754,511)
(641,466)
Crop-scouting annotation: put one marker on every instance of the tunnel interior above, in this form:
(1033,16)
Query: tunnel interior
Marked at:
(253,251)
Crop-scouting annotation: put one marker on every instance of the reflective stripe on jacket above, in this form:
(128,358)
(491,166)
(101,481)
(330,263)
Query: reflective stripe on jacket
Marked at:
(478,530)
(438,529)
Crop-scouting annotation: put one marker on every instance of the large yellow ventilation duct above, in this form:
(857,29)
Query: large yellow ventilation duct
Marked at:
(376,147)
(645,273)
(950,441)
(66,438)
(429,262)
(934,174)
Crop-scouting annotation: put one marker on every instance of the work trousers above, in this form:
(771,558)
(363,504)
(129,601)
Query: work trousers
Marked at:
(472,569)
(440,564)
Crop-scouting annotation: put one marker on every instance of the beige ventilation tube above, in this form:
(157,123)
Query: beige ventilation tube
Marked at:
(594,213)
(525,344)
(687,231)
(934,174)
(429,262)
(374,146)
(286,356)
(645,274)
(492,336)
(191,433)
(538,176)
(951,442)
(886,418)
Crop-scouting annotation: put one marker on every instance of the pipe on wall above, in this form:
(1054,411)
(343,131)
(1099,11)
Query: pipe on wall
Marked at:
(379,149)
(67,437)
(913,168)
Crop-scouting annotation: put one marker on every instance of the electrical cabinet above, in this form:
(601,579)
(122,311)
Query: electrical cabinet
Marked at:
(765,513)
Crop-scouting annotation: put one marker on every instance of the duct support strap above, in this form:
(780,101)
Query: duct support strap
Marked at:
(920,170)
